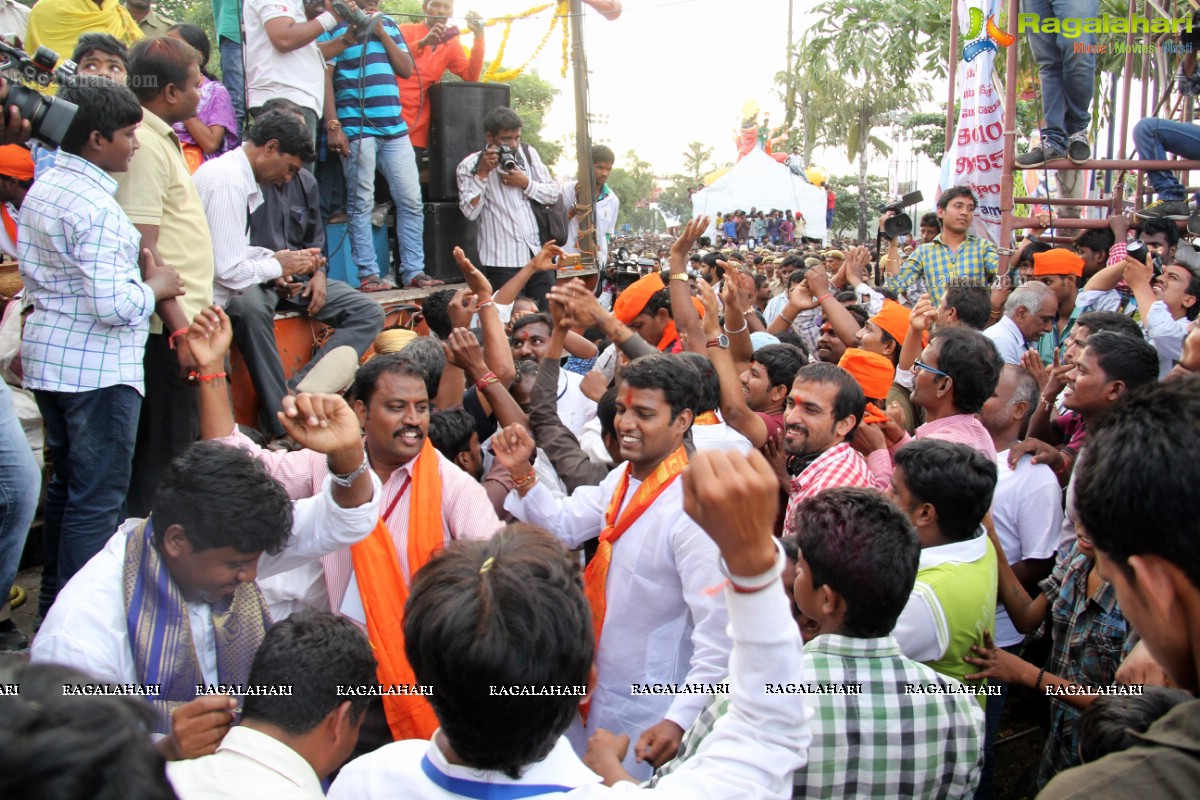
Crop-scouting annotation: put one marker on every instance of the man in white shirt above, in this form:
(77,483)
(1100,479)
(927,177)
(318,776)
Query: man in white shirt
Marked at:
(285,745)
(488,618)
(282,57)
(655,621)
(1027,512)
(1029,312)
(604,210)
(172,600)
(497,199)
(229,188)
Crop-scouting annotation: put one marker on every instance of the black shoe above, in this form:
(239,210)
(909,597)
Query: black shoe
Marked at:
(1079,149)
(1038,156)
(1166,209)
(11,638)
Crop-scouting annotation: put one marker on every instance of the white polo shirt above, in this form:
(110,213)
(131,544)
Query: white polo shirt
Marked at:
(299,75)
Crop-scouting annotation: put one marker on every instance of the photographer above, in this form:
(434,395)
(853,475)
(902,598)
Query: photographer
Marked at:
(495,188)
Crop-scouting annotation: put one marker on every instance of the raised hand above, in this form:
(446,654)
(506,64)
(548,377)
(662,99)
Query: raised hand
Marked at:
(691,232)
(869,438)
(543,260)
(514,448)
(923,314)
(800,297)
(594,385)
(857,259)
(209,338)
(462,308)
(712,309)
(818,282)
(477,282)
(463,351)
(324,423)
(773,450)
(1032,361)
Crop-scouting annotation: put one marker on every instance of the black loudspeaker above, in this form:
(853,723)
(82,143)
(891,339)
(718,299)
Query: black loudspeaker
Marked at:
(445,229)
(456,112)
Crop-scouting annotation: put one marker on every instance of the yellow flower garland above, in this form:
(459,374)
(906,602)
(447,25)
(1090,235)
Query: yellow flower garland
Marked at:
(560,16)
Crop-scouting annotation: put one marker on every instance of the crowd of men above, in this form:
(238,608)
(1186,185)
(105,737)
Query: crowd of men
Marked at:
(839,503)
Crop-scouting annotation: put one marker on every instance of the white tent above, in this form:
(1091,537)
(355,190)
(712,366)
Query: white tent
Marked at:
(761,182)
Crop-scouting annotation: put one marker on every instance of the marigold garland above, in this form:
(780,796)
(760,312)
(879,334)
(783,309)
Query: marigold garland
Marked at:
(560,16)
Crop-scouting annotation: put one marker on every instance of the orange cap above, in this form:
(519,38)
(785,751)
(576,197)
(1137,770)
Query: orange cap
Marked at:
(16,162)
(633,300)
(874,373)
(893,318)
(1058,261)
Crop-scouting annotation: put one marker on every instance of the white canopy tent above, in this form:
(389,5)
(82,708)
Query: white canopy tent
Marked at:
(761,182)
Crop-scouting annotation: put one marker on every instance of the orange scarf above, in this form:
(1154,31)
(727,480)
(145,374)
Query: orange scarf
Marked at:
(10,224)
(384,593)
(707,418)
(595,579)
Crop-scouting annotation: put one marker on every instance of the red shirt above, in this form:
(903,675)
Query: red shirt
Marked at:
(430,65)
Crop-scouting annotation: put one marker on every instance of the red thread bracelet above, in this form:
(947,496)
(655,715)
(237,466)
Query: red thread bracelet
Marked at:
(823,298)
(487,379)
(171,339)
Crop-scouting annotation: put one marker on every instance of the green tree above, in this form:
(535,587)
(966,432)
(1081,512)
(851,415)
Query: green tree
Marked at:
(676,199)
(848,197)
(696,160)
(531,97)
(633,182)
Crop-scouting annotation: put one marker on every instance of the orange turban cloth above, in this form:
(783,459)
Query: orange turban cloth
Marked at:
(1059,261)
(874,373)
(893,318)
(633,300)
(16,162)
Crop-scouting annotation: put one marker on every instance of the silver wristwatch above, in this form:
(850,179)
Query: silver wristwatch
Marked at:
(348,480)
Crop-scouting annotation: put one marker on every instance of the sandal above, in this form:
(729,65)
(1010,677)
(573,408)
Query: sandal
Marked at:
(375,285)
(423,281)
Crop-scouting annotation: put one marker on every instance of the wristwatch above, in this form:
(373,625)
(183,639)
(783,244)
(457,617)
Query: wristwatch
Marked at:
(347,480)
(721,341)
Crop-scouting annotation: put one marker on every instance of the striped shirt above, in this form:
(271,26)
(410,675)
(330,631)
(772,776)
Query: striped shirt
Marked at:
(229,193)
(365,91)
(79,259)
(507,231)
(467,513)
(974,263)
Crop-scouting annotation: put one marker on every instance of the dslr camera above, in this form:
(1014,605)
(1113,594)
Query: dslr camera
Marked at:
(1138,251)
(509,158)
(49,117)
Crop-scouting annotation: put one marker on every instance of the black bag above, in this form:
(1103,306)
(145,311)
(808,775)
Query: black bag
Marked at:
(551,219)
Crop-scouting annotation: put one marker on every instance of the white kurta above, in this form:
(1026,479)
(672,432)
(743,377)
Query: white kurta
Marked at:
(247,764)
(661,623)
(86,626)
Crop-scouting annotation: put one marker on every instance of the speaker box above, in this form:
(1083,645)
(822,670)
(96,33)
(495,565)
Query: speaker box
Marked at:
(456,117)
(445,229)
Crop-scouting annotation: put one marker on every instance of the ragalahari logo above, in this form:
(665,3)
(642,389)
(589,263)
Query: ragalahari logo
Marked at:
(983,39)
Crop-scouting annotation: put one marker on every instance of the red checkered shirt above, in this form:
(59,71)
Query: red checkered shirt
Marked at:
(840,465)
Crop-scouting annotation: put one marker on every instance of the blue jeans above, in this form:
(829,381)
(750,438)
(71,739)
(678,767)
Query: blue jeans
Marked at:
(394,158)
(20,484)
(1067,77)
(90,436)
(1154,138)
(233,76)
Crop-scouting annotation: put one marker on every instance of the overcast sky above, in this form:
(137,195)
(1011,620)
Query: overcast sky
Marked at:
(669,72)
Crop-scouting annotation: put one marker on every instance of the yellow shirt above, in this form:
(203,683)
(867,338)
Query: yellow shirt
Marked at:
(158,190)
(58,24)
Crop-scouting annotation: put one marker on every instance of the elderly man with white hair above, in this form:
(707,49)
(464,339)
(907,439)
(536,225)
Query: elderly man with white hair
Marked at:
(1029,312)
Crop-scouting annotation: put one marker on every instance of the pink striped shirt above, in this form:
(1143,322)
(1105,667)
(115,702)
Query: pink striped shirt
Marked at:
(840,465)
(960,428)
(467,513)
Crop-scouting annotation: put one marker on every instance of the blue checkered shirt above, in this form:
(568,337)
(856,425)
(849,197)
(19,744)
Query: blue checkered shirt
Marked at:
(79,259)
(974,263)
